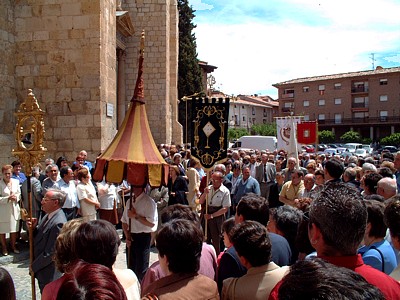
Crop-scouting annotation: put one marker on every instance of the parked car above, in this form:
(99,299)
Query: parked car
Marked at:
(391,149)
(353,146)
(330,151)
(361,153)
(345,154)
(322,147)
(368,148)
(341,149)
(308,148)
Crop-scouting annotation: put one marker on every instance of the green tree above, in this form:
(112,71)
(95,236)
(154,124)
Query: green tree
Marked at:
(235,133)
(326,136)
(189,73)
(351,137)
(264,129)
(393,139)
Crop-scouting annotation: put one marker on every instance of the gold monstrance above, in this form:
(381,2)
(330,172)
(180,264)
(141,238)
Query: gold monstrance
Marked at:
(29,133)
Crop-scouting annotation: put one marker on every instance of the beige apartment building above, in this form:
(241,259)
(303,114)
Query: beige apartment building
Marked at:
(246,111)
(365,101)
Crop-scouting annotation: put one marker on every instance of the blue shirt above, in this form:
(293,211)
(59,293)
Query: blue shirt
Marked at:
(373,258)
(21,178)
(241,188)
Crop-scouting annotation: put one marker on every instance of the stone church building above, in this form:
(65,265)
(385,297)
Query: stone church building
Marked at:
(80,58)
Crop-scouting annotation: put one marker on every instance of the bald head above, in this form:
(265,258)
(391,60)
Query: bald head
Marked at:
(387,187)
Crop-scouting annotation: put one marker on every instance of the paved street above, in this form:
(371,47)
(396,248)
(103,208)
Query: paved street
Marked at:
(18,264)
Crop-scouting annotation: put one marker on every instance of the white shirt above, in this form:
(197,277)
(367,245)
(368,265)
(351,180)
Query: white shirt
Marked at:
(72,196)
(107,195)
(146,207)
(220,197)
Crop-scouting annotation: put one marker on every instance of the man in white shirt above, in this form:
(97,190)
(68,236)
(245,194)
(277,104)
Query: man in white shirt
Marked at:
(219,201)
(67,185)
(139,220)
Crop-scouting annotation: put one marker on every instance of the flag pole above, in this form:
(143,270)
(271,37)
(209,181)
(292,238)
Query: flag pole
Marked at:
(293,141)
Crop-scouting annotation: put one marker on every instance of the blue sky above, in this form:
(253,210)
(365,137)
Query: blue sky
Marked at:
(256,43)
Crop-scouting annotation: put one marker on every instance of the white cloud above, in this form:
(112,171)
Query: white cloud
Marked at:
(393,59)
(199,5)
(252,55)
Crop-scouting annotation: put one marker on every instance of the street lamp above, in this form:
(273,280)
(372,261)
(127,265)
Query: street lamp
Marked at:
(29,134)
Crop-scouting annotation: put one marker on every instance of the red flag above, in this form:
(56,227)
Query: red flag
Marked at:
(307,132)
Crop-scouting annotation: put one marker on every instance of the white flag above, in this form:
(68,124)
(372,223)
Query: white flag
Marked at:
(286,141)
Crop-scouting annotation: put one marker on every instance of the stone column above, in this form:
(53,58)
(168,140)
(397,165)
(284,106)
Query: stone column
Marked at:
(121,106)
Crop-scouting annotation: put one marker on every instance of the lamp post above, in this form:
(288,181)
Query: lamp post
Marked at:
(29,133)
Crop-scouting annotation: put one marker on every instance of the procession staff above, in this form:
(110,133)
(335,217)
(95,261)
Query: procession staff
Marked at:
(217,204)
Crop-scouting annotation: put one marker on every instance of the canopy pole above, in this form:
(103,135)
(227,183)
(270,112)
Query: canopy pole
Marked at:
(206,220)
(130,225)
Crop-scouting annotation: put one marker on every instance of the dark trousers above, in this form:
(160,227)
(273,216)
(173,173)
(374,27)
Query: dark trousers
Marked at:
(214,228)
(265,188)
(138,255)
(214,232)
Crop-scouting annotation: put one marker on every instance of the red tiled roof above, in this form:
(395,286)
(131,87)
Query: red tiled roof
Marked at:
(378,70)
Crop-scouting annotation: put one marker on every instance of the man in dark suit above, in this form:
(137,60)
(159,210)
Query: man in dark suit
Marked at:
(265,175)
(45,235)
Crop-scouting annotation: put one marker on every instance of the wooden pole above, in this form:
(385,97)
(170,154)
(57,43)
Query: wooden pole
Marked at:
(206,220)
(130,226)
(30,230)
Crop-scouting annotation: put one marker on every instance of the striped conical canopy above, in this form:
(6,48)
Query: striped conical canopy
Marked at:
(133,155)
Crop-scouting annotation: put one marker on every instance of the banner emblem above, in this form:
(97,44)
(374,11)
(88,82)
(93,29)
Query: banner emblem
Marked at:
(210,130)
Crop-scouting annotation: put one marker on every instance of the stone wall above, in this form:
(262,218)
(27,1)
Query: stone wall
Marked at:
(7,85)
(66,52)
(158,18)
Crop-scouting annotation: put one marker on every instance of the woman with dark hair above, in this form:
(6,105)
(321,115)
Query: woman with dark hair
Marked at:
(95,242)
(226,233)
(179,245)
(62,161)
(6,285)
(177,187)
(90,282)
(377,252)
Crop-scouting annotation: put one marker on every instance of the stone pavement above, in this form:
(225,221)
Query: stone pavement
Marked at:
(18,265)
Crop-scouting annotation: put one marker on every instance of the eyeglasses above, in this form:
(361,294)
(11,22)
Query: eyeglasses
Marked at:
(48,199)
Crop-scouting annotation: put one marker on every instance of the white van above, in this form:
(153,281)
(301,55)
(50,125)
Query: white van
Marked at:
(351,147)
(256,142)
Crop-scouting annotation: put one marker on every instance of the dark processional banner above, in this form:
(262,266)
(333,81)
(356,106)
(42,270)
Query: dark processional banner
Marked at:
(210,130)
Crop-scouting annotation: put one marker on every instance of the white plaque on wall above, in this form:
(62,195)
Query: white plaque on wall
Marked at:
(110,110)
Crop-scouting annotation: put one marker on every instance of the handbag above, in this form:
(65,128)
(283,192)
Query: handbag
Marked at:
(23,212)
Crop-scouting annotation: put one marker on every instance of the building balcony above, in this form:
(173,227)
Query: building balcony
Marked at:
(360,121)
(359,89)
(359,105)
(287,96)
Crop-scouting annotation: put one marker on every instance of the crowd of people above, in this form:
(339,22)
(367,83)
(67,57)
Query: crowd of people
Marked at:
(261,225)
